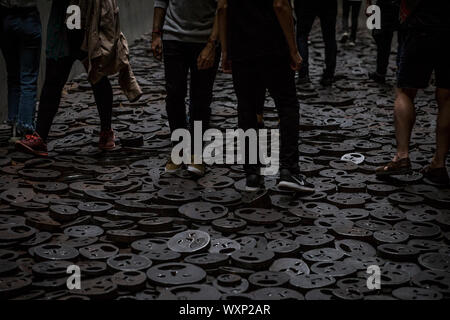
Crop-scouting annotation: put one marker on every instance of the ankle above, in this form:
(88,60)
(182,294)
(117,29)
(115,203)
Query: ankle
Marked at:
(437,163)
(401,155)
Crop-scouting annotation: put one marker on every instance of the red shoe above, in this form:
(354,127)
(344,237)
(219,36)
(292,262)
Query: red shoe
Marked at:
(106,141)
(33,144)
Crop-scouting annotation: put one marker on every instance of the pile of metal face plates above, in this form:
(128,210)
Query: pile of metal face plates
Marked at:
(135,232)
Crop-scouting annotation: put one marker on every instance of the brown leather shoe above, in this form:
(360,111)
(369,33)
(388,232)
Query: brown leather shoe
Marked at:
(106,141)
(438,176)
(394,168)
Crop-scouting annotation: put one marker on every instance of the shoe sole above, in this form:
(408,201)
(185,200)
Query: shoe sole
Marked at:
(252,189)
(107,149)
(397,173)
(294,186)
(171,171)
(195,171)
(27,149)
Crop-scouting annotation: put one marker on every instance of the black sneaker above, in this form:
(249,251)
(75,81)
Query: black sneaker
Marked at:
(254,183)
(294,182)
(327,80)
(378,78)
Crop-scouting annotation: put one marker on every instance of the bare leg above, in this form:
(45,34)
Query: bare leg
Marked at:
(442,128)
(405,118)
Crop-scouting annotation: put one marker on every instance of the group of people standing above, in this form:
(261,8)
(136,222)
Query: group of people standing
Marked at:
(98,44)
(261,44)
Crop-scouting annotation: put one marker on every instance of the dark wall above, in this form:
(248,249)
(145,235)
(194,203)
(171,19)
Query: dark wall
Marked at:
(136,19)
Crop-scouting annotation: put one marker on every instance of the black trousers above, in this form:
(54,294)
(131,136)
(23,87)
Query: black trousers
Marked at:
(307,11)
(252,78)
(179,59)
(355,7)
(383,37)
(56,76)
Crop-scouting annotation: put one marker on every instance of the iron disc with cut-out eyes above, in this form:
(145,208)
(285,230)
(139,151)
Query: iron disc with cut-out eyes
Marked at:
(17,195)
(54,251)
(16,232)
(130,281)
(207,260)
(82,231)
(129,262)
(175,274)
(229,225)
(292,267)
(276,293)
(189,241)
(224,246)
(144,245)
(333,268)
(255,259)
(264,279)
(203,211)
(231,283)
(355,248)
(311,281)
(259,216)
(99,251)
(192,292)
(98,288)
(177,195)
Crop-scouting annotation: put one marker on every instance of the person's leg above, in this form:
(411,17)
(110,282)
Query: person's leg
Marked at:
(383,40)
(30,55)
(345,15)
(103,95)
(405,118)
(200,98)
(176,67)
(442,128)
(250,92)
(201,88)
(305,15)
(10,50)
(56,75)
(356,9)
(280,80)
(416,67)
(328,14)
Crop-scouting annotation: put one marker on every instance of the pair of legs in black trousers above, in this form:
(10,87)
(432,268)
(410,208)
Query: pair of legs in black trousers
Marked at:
(180,60)
(57,74)
(355,7)
(252,79)
(307,11)
(383,37)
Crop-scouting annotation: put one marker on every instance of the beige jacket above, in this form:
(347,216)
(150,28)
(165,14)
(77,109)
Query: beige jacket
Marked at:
(106,45)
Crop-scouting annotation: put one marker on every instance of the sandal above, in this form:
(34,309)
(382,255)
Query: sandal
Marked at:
(438,176)
(395,168)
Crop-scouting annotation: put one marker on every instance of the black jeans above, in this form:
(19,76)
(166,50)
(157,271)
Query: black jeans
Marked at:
(383,37)
(57,73)
(307,11)
(251,80)
(355,7)
(179,59)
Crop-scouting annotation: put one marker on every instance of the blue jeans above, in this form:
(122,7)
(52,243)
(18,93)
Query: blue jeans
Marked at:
(21,47)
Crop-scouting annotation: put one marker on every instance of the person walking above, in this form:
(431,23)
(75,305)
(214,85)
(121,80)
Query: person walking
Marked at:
(425,50)
(20,23)
(185,33)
